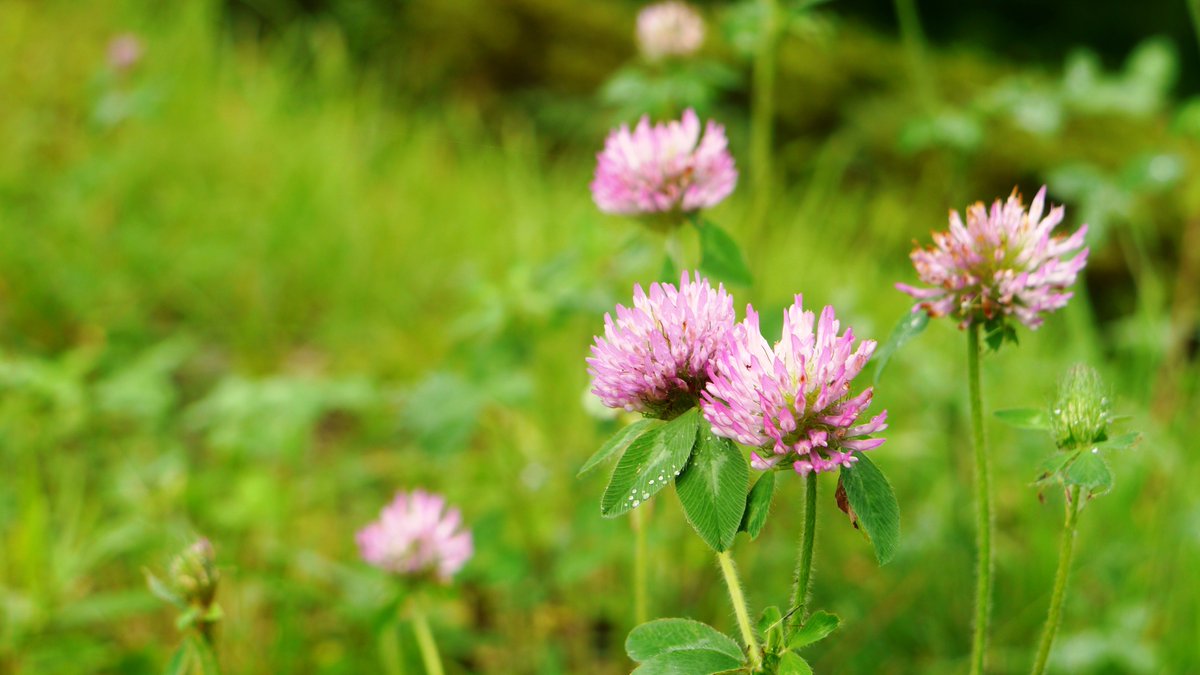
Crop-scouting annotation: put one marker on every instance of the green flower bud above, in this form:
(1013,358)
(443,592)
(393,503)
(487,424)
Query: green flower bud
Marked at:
(194,574)
(1081,412)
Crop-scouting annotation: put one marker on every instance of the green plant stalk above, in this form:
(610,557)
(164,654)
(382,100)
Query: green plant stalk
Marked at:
(762,114)
(429,652)
(389,646)
(1065,551)
(804,561)
(913,38)
(739,608)
(638,522)
(983,503)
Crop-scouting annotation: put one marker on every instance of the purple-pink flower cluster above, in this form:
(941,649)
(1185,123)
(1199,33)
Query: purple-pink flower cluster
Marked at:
(664,169)
(415,535)
(654,356)
(793,400)
(1003,262)
(678,348)
(669,28)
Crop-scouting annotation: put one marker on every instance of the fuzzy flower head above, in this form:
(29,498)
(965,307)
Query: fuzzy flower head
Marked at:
(654,356)
(194,574)
(1002,263)
(1081,413)
(667,29)
(793,401)
(417,535)
(124,52)
(665,170)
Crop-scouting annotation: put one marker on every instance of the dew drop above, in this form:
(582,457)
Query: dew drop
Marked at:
(645,495)
(1095,451)
(635,503)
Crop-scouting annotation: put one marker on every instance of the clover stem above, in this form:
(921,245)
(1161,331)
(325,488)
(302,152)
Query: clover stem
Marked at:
(983,505)
(1054,615)
(429,652)
(638,521)
(805,559)
(729,570)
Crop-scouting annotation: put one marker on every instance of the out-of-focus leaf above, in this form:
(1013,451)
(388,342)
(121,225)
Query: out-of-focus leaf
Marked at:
(908,327)
(1090,473)
(720,256)
(1025,418)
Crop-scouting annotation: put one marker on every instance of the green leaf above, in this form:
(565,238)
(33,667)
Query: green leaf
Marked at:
(909,326)
(617,443)
(998,331)
(181,660)
(874,503)
(713,487)
(664,636)
(815,629)
(720,256)
(668,273)
(185,620)
(1051,466)
(1025,418)
(698,662)
(793,664)
(758,505)
(162,591)
(1122,442)
(1090,473)
(770,628)
(649,464)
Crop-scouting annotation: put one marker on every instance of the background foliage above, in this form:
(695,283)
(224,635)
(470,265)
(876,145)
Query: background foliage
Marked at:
(305,254)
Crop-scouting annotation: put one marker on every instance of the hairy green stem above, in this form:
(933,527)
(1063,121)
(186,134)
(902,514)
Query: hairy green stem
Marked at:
(429,652)
(804,561)
(638,521)
(739,608)
(762,114)
(983,504)
(1054,615)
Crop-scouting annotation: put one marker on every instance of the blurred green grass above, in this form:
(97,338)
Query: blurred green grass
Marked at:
(249,299)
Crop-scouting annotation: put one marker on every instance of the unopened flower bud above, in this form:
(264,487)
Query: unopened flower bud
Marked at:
(194,573)
(1081,412)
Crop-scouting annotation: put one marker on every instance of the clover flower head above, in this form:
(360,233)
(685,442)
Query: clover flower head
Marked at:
(668,29)
(1002,263)
(194,574)
(416,534)
(666,169)
(124,52)
(793,401)
(654,356)
(1081,413)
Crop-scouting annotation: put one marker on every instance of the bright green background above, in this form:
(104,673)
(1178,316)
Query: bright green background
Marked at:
(264,280)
